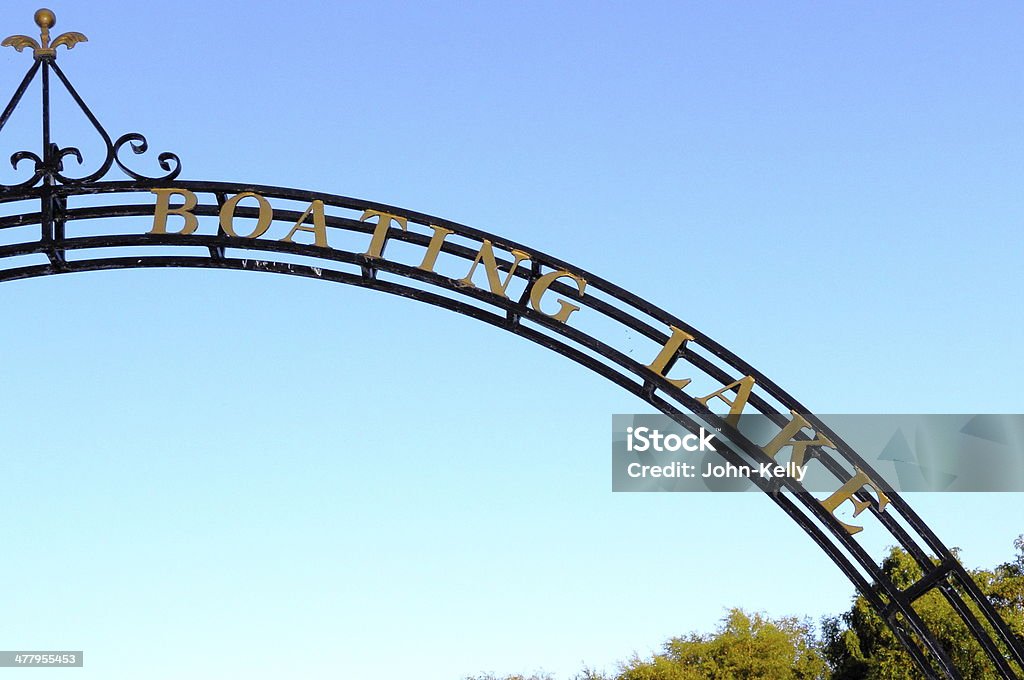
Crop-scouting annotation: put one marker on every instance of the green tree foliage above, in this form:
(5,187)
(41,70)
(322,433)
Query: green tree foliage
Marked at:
(855,646)
(859,646)
(1004,587)
(745,647)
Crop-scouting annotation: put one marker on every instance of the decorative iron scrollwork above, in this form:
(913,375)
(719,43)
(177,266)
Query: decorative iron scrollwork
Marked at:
(168,161)
(16,158)
(49,168)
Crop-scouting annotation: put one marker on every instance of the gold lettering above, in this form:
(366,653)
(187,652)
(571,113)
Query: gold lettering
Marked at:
(380,232)
(486,255)
(785,438)
(319,228)
(227,215)
(745,385)
(163,209)
(846,493)
(668,355)
(434,248)
(541,285)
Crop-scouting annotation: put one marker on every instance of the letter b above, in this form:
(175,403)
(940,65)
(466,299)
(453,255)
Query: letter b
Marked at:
(163,209)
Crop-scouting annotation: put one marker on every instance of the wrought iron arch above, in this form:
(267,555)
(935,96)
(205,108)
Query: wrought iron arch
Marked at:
(69,233)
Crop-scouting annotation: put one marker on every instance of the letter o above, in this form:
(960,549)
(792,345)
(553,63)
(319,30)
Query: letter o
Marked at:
(227,215)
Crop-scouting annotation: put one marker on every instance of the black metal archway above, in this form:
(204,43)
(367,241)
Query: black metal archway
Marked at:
(56,224)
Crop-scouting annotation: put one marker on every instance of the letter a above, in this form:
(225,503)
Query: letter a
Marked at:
(319,228)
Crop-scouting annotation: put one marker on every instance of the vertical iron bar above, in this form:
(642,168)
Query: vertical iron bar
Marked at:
(51,223)
(217,252)
(46,111)
(45,194)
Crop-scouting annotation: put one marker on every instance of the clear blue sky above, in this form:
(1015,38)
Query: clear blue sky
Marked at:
(224,474)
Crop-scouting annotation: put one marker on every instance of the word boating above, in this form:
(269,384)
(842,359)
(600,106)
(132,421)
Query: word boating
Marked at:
(736,393)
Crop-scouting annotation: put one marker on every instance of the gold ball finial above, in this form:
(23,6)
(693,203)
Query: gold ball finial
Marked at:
(45,18)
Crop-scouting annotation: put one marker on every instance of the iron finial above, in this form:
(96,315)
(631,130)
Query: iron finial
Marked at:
(43,48)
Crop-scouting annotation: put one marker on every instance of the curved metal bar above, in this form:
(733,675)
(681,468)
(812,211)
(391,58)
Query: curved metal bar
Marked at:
(19,156)
(785,503)
(71,151)
(49,163)
(18,94)
(52,188)
(649,386)
(108,159)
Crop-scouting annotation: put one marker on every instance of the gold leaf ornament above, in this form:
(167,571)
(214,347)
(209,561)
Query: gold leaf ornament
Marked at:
(20,42)
(71,38)
(45,19)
